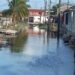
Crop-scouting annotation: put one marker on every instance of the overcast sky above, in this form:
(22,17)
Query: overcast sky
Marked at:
(33,3)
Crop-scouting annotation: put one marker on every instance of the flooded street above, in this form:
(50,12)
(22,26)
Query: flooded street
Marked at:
(36,55)
(37,37)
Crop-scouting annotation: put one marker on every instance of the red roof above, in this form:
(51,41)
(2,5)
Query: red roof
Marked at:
(36,10)
(33,12)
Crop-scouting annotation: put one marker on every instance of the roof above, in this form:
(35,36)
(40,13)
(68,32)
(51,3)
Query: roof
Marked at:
(72,8)
(64,7)
(36,10)
(63,4)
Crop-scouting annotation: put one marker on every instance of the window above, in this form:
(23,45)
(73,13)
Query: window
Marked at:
(31,19)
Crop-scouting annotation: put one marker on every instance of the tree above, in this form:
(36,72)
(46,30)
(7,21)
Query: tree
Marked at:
(18,9)
(6,12)
(55,7)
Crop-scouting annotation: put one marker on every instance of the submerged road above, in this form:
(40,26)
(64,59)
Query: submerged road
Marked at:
(39,56)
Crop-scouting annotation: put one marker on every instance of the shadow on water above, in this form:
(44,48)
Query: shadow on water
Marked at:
(17,44)
(74,58)
(44,39)
(53,35)
(48,36)
(58,42)
(74,61)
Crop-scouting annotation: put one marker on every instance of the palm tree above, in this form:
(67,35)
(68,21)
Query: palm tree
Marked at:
(18,9)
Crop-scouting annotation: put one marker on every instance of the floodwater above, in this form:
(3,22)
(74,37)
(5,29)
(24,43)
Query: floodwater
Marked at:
(36,55)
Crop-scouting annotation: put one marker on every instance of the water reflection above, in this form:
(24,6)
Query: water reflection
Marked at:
(36,55)
(52,35)
(17,44)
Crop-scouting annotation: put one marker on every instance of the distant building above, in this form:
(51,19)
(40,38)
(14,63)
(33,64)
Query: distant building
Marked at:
(37,16)
(6,20)
(69,20)
(36,12)
(64,7)
(63,19)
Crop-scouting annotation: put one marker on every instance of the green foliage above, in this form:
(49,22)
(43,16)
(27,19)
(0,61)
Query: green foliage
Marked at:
(42,26)
(18,43)
(17,9)
(55,7)
(6,12)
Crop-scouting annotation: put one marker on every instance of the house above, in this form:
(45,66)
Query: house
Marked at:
(71,21)
(5,20)
(63,12)
(63,18)
(64,7)
(69,24)
(37,16)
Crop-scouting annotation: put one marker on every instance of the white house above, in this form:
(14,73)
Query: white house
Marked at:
(37,16)
(6,21)
(37,19)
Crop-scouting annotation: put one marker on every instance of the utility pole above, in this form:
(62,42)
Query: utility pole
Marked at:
(49,21)
(49,15)
(40,14)
(67,4)
(59,22)
(45,8)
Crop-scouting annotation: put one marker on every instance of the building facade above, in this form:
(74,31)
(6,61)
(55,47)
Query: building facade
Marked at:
(69,20)
(37,16)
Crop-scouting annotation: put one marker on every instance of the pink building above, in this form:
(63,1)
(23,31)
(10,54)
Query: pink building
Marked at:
(37,16)
(36,12)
